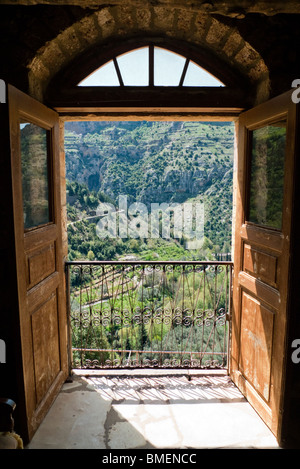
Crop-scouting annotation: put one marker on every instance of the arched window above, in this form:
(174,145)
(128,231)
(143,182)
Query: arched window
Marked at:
(160,74)
(151,66)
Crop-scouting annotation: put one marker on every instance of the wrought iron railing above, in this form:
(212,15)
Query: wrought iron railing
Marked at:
(149,314)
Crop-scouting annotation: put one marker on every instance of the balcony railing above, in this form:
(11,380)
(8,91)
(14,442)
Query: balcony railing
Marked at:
(149,314)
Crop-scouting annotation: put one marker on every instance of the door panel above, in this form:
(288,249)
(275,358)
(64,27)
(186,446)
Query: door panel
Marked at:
(262,254)
(45,345)
(256,344)
(40,264)
(260,264)
(38,238)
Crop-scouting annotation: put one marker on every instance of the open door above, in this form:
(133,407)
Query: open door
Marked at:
(34,137)
(264,196)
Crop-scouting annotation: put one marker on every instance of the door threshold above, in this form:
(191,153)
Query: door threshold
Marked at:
(150,372)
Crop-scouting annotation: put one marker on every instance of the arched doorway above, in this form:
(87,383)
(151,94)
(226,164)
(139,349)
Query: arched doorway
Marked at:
(50,85)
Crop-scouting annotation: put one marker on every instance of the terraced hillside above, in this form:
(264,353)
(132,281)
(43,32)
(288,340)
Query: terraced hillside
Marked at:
(149,162)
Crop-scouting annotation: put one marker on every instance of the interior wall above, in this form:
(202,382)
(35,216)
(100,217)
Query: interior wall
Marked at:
(38,39)
(11,370)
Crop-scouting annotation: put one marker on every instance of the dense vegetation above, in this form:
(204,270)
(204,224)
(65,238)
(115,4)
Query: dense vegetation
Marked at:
(169,316)
(128,315)
(149,162)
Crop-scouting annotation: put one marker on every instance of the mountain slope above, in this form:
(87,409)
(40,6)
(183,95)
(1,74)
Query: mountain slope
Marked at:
(156,162)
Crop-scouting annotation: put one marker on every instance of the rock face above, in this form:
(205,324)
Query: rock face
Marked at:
(150,162)
(155,163)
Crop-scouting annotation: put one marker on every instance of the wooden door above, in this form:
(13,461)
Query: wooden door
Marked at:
(264,196)
(34,137)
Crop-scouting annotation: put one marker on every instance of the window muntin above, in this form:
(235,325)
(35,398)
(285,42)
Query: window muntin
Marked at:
(103,76)
(197,76)
(168,67)
(134,67)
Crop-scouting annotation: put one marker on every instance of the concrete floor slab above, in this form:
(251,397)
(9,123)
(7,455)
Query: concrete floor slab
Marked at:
(151,410)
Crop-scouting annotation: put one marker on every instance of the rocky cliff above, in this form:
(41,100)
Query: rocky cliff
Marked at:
(156,162)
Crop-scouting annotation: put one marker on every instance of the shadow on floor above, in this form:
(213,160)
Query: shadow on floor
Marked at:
(135,411)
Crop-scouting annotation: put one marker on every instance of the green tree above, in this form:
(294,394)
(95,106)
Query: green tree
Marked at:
(91,256)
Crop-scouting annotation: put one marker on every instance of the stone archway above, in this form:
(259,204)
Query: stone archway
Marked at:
(212,35)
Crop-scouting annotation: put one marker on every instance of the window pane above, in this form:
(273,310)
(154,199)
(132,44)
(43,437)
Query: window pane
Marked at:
(134,67)
(104,76)
(35,182)
(267,175)
(168,67)
(197,76)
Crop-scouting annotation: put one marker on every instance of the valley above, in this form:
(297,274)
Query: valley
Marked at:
(149,163)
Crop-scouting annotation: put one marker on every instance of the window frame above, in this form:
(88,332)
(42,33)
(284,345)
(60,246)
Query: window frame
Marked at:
(66,97)
(151,62)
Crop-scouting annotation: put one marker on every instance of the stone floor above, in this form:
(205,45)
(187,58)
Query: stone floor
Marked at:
(144,410)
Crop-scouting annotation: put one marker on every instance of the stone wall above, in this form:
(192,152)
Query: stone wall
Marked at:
(38,41)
